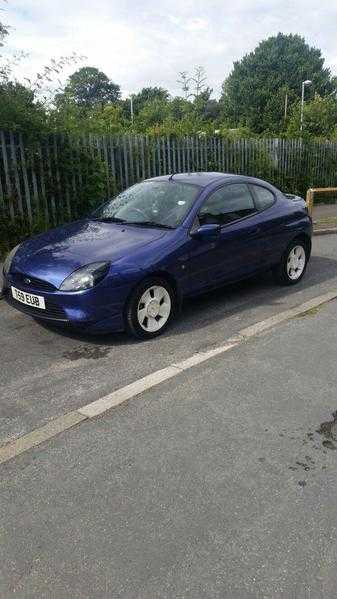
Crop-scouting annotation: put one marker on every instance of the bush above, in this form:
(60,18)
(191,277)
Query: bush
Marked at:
(15,231)
(75,181)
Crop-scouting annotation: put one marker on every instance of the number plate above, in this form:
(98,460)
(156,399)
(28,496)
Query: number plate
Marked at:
(34,301)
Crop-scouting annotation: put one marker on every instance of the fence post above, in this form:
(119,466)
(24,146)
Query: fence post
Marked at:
(25,179)
(9,189)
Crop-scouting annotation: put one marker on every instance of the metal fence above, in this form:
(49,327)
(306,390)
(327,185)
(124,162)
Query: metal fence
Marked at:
(51,178)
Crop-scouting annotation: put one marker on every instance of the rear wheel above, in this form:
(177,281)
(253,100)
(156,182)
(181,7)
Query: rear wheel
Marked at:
(149,308)
(293,264)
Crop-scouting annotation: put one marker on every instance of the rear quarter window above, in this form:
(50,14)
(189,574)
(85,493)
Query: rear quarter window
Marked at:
(264,198)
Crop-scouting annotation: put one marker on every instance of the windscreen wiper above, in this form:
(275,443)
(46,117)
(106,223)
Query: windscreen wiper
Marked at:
(150,223)
(110,219)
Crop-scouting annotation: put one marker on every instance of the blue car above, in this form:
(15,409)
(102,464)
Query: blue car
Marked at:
(130,264)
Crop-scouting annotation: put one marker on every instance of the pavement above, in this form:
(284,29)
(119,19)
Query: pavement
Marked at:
(217,483)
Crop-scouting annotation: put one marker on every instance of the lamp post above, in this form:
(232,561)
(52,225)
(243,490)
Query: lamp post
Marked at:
(304,84)
(131,107)
(285,107)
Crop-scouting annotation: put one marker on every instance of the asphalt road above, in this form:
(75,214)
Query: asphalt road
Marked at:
(220,483)
(46,372)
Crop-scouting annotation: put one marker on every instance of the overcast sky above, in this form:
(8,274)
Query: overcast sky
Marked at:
(147,43)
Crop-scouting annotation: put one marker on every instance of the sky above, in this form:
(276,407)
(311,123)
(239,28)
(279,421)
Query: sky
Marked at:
(141,44)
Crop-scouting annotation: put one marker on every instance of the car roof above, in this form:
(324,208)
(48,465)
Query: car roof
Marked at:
(203,179)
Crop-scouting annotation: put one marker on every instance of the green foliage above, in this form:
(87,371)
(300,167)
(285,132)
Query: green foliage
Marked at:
(19,111)
(152,114)
(89,87)
(178,116)
(254,93)
(80,165)
(14,231)
(72,119)
(146,95)
(3,33)
(320,118)
(75,172)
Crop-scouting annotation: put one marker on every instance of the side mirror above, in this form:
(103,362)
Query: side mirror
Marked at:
(207,232)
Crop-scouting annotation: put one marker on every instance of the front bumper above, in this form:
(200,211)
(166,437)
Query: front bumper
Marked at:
(97,309)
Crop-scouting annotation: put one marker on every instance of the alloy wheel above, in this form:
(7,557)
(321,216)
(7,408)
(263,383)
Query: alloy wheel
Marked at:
(296,262)
(154,308)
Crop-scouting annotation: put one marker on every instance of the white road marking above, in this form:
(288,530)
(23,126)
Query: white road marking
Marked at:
(272,321)
(39,435)
(114,399)
(100,406)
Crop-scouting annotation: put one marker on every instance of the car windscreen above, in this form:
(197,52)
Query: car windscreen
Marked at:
(155,203)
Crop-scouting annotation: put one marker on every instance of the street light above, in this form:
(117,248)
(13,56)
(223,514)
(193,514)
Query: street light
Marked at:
(131,107)
(304,84)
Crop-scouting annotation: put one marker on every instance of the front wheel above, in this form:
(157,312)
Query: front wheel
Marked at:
(149,308)
(293,264)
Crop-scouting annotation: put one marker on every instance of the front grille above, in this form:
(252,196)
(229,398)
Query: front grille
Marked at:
(52,311)
(34,283)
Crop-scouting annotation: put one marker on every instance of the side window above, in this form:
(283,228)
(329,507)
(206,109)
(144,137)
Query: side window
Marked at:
(227,204)
(263,197)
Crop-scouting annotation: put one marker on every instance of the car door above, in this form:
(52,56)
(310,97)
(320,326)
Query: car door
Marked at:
(272,223)
(236,251)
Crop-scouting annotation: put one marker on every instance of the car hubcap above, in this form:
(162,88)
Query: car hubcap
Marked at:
(296,262)
(154,308)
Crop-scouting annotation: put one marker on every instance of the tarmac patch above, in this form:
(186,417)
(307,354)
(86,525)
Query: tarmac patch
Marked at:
(87,352)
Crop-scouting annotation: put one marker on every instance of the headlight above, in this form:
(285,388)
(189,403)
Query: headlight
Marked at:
(85,277)
(9,258)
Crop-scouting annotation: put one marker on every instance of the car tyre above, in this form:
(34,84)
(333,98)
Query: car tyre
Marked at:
(293,264)
(150,308)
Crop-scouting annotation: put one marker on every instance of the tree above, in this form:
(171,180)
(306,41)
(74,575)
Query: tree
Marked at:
(180,108)
(74,120)
(184,83)
(19,111)
(199,82)
(254,93)
(89,87)
(3,32)
(212,110)
(194,85)
(320,118)
(204,107)
(152,114)
(148,94)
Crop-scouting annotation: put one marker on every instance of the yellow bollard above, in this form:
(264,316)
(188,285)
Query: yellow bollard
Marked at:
(310,200)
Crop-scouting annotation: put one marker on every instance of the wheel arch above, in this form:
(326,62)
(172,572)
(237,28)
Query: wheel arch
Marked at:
(171,280)
(162,274)
(304,238)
